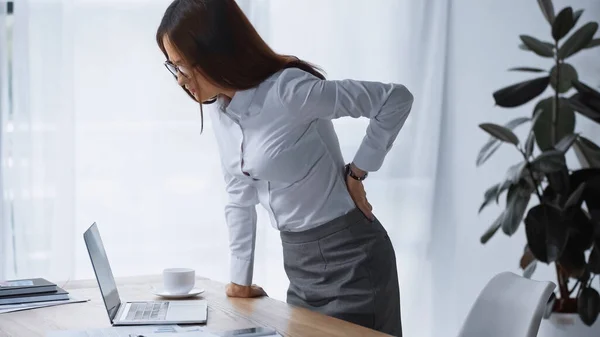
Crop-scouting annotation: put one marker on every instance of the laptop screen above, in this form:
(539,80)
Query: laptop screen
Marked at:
(104,274)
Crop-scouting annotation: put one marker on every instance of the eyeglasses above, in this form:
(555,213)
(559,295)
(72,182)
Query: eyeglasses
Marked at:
(175,69)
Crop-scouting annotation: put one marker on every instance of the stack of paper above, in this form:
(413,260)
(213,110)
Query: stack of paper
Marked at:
(30,291)
(17,295)
(127,331)
(34,305)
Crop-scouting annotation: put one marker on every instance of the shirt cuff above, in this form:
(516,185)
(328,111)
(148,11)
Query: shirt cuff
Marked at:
(367,158)
(241,271)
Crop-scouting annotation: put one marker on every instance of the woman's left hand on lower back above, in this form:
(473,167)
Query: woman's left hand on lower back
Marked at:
(359,196)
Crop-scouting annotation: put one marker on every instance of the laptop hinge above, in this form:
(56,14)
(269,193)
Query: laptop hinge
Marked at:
(115,313)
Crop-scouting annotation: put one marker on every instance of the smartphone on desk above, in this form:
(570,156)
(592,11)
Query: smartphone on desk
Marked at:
(248,332)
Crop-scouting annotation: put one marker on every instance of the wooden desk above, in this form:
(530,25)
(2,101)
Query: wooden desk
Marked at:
(223,313)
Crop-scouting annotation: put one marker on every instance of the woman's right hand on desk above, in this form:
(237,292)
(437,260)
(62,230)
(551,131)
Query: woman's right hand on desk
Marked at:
(236,290)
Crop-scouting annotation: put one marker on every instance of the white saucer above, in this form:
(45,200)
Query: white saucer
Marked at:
(162,293)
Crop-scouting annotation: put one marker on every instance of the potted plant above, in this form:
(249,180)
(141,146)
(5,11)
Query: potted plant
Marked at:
(563,225)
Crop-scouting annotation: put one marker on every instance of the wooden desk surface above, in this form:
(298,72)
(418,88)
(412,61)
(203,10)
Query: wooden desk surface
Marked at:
(223,313)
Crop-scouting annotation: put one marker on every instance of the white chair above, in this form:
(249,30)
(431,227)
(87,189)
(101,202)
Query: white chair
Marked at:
(509,305)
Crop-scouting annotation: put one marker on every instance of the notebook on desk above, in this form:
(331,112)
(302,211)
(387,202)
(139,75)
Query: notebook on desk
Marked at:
(57,295)
(26,287)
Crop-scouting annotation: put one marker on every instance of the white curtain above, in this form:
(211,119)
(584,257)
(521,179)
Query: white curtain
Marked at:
(39,136)
(3,117)
(102,134)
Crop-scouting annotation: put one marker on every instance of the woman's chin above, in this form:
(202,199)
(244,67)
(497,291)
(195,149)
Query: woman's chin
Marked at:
(209,100)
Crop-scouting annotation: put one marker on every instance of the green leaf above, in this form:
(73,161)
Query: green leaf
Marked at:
(546,234)
(586,90)
(591,194)
(521,93)
(558,182)
(488,150)
(581,230)
(528,263)
(537,113)
(526,258)
(593,43)
(513,176)
(594,259)
(529,144)
(500,132)
(505,185)
(539,47)
(575,196)
(565,143)
(587,152)
(512,124)
(489,196)
(586,101)
(563,23)
(547,9)
(528,69)
(515,172)
(493,144)
(517,200)
(522,46)
(566,74)
(544,125)
(579,40)
(578,103)
(577,15)
(492,230)
(549,161)
(588,305)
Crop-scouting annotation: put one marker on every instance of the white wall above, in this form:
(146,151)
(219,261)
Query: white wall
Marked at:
(484,36)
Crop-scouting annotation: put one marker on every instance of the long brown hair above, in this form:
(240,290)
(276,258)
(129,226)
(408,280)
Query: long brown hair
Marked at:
(217,39)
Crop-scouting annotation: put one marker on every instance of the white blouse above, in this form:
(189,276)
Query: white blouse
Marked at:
(278,148)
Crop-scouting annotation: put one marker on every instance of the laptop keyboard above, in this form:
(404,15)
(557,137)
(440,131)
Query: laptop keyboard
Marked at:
(155,311)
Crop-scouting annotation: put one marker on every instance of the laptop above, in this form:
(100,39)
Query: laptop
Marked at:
(137,313)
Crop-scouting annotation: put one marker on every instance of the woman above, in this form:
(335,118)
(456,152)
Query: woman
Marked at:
(278,148)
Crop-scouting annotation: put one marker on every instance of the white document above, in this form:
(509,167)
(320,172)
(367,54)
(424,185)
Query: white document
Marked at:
(125,331)
(175,334)
(34,305)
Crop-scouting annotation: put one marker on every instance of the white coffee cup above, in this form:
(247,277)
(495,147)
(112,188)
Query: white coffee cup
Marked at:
(178,281)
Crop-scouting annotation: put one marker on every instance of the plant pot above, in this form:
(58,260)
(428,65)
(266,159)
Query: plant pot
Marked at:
(563,325)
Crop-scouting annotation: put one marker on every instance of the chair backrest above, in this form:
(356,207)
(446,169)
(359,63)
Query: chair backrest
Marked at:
(509,305)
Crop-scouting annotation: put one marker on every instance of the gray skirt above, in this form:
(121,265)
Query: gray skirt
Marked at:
(345,268)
